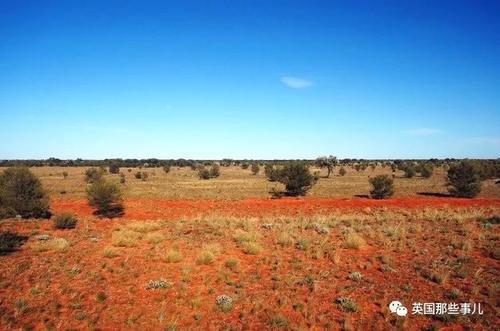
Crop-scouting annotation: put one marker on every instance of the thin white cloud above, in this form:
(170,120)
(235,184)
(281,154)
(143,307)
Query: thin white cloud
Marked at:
(422,132)
(295,82)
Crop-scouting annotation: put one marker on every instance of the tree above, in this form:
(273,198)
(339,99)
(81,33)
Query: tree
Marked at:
(383,187)
(106,197)
(297,178)
(271,172)
(21,193)
(255,168)
(327,162)
(464,179)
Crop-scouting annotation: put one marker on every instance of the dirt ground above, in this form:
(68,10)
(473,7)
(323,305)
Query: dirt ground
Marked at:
(286,264)
(330,260)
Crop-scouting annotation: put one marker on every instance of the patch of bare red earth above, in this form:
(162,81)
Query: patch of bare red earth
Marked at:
(142,209)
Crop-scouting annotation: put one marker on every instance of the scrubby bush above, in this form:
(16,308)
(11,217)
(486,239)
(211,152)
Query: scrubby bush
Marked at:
(142,175)
(21,193)
(255,168)
(426,170)
(383,187)
(166,168)
(244,166)
(214,170)
(10,241)
(106,197)
(65,174)
(203,173)
(93,175)
(342,171)
(297,178)
(409,171)
(464,179)
(122,178)
(114,168)
(271,172)
(64,221)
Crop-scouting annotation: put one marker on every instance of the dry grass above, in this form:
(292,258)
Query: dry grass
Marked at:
(110,252)
(236,183)
(55,244)
(173,256)
(125,238)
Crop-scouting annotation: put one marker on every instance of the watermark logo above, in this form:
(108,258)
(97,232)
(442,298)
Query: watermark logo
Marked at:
(437,308)
(398,308)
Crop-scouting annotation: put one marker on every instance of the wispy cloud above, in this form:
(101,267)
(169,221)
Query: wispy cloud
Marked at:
(295,82)
(422,132)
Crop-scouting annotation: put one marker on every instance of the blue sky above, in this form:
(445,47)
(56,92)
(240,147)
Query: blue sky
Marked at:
(249,79)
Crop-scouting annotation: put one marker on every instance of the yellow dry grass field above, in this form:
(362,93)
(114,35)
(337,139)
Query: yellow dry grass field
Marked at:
(235,183)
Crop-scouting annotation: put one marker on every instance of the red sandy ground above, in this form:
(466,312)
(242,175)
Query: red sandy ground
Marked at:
(150,209)
(124,277)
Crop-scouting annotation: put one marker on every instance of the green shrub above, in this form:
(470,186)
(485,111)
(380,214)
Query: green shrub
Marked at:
(21,193)
(255,168)
(64,221)
(106,197)
(297,178)
(409,171)
(271,173)
(383,187)
(214,170)
(464,179)
(342,171)
(426,170)
(114,169)
(10,241)
(93,175)
(203,173)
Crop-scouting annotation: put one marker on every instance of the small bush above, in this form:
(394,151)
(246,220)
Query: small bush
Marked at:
(10,241)
(354,241)
(297,178)
(166,169)
(255,168)
(93,175)
(122,178)
(55,244)
(271,173)
(173,256)
(64,221)
(141,175)
(106,197)
(464,179)
(21,193)
(203,173)
(214,170)
(342,171)
(110,252)
(244,166)
(426,170)
(205,257)
(65,174)
(347,304)
(409,171)
(383,187)
(114,169)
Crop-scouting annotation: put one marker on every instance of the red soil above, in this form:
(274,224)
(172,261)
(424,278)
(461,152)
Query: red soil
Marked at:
(141,209)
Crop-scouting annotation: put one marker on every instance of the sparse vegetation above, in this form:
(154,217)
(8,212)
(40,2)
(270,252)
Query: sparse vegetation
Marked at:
(21,193)
(64,220)
(464,179)
(383,187)
(297,178)
(106,197)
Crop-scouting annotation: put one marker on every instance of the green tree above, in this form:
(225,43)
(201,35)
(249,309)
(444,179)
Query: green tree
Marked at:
(21,193)
(327,162)
(297,178)
(464,179)
(383,187)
